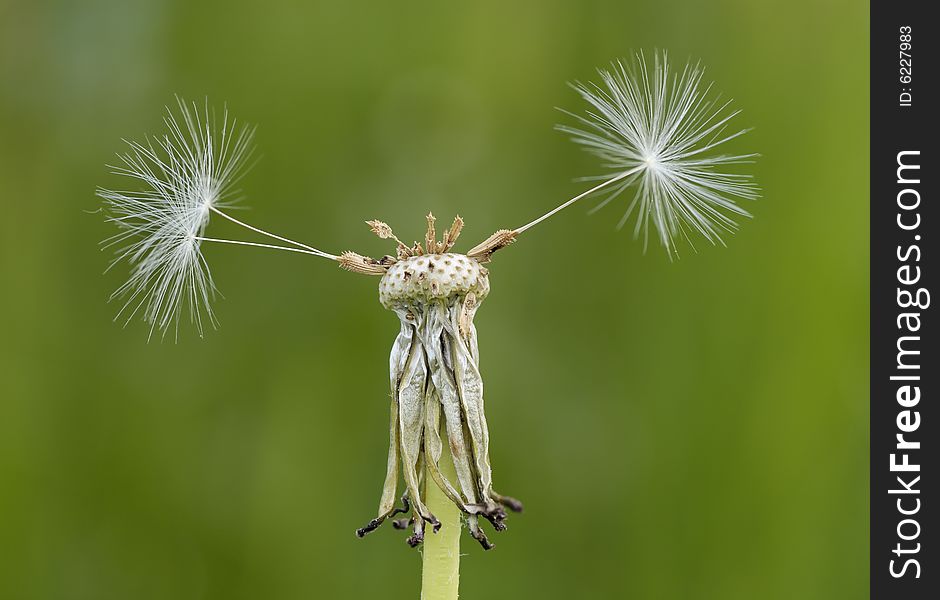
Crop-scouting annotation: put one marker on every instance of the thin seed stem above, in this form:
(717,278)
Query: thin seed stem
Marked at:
(600,186)
(311,249)
(273,247)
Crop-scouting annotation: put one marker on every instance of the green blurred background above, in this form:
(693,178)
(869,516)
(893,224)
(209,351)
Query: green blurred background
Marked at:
(695,429)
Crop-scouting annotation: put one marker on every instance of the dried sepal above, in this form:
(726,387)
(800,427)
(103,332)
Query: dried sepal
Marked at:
(365,265)
(465,320)
(431,244)
(410,387)
(382,229)
(451,235)
(430,238)
(483,252)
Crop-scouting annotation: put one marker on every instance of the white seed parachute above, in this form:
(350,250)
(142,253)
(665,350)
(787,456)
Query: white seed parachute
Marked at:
(659,132)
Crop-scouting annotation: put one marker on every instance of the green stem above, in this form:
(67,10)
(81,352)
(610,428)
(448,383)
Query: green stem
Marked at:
(440,576)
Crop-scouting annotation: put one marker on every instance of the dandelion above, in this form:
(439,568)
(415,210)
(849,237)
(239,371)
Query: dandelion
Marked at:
(653,129)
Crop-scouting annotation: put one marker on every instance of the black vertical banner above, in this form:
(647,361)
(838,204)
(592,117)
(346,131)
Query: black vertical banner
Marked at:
(904,373)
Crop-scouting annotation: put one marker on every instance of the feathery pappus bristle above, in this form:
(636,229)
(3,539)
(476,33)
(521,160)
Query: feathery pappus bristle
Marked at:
(182,176)
(659,131)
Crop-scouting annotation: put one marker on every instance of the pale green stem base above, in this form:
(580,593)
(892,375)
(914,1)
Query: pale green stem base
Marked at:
(440,576)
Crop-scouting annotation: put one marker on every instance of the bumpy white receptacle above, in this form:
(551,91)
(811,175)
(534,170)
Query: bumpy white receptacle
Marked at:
(422,279)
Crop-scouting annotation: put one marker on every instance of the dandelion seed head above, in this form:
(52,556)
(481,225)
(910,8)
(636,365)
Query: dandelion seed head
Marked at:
(180,178)
(658,131)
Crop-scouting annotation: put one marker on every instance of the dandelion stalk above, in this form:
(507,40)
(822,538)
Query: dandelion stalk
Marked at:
(440,573)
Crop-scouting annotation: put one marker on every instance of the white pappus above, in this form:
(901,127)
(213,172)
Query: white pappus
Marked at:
(658,131)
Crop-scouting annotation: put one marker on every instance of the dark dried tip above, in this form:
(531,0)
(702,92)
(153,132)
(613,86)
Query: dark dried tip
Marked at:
(415,539)
(496,518)
(402,523)
(372,526)
(404,510)
(435,524)
(510,503)
(481,537)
